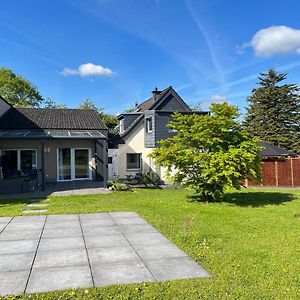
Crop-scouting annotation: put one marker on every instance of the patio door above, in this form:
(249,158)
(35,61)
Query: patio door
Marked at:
(73,164)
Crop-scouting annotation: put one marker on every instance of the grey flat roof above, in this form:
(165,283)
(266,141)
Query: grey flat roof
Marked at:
(51,134)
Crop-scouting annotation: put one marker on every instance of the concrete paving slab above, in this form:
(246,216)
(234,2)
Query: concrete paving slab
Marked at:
(130,221)
(96,216)
(14,235)
(25,226)
(13,282)
(5,220)
(16,262)
(98,231)
(126,214)
(29,219)
(97,222)
(112,255)
(116,239)
(175,268)
(61,232)
(2,226)
(62,218)
(60,258)
(61,243)
(157,251)
(36,211)
(120,273)
(38,205)
(135,228)
(21,246)
(44,280)
(132,251)
(62,224)
(151,238)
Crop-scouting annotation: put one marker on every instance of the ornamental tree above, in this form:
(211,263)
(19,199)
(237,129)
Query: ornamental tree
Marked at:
(210,152)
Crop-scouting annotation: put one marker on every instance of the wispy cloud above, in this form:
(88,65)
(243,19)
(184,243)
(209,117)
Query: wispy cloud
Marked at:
(88,69)
(209,43)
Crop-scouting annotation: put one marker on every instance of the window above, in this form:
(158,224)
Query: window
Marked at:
(133,161)
(121,125)
(17,161)
(149,125)
(109,160)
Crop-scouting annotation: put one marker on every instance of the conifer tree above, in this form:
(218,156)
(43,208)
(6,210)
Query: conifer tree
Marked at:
(274,111)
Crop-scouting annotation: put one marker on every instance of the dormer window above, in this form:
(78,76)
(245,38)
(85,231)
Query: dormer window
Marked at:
(121,124)
(149,125)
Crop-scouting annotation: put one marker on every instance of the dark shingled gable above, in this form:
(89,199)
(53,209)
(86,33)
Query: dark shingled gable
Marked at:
(270,150)
(49,118)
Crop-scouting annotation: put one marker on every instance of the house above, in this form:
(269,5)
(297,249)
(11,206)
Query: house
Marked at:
(50,145)
(140,132)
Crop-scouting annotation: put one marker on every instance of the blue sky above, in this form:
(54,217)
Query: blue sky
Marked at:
(116,51)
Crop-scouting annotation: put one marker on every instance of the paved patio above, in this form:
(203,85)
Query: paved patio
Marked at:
(46,253)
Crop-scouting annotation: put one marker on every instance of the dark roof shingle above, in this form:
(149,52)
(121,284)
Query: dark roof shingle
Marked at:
(49,118)
(270,150)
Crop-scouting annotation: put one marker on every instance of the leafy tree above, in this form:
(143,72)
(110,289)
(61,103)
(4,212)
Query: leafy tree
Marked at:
(109,120)
(50,103)
(210,152)
(17,90)
(132,109)
(274,112)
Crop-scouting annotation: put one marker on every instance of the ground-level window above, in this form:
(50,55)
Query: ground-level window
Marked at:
(133,161)
(18,162)
(149,125)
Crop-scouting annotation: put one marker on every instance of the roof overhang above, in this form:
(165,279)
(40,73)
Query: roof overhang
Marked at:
(51,134)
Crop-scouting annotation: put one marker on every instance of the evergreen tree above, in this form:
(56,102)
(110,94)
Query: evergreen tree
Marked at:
(274,112)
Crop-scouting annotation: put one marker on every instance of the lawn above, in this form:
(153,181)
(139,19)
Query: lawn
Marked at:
(250,243)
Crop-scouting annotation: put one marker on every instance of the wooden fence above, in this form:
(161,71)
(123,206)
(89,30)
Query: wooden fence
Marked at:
(279,173)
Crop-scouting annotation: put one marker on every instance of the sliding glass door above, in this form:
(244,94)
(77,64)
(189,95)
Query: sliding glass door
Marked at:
(73,164)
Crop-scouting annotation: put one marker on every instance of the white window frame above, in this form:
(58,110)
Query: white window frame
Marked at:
(121,124)
(73,178)
(134,169)
(148,120)
(19,156)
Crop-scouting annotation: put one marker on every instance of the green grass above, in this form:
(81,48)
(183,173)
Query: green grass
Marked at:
(250,243)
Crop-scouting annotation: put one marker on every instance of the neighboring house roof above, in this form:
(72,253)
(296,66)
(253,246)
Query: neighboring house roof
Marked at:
(48,118)
(270,150)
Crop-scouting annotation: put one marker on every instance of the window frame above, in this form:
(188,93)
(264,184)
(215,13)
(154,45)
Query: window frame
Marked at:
(19,157)
(140,162)
(149,121)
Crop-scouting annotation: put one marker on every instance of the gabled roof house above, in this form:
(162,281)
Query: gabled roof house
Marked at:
(51,145)
(140,132)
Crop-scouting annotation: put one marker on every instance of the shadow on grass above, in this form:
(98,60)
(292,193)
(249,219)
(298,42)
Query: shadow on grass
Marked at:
(253,199)
(22,200)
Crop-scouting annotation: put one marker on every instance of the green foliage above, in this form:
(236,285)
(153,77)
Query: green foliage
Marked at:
(109,120)
(17,90)
(274,112)
(50,103)
(132,109)
(148,178)
(210,152)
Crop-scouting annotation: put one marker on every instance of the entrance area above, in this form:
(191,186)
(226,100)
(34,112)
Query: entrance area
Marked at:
(74,164)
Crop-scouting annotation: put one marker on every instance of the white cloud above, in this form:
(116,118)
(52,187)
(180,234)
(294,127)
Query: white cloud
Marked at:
(274,40)
(205,104)
(88,69)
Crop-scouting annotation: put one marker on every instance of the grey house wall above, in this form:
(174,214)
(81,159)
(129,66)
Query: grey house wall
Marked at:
(150,137)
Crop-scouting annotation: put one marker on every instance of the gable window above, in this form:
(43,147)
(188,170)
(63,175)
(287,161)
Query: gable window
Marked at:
(149,125)
(133,161)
